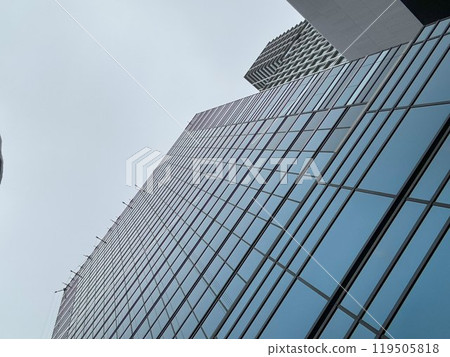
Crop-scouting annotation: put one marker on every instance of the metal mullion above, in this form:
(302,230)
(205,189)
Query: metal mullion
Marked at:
(416,178)
(317,80)
(382,226)
(378,75)
(415,277)
(420,46)
(419,68)
(424,261)
(275,240)
(347,77)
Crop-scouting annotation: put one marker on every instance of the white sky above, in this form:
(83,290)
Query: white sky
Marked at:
(70,117)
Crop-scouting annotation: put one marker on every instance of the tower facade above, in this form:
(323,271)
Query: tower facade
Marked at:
(296,53)
(315,209)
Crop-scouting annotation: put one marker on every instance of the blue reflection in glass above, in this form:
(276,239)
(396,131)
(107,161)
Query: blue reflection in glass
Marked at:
(425,72)
(426,311)
(382,256)
(296,314)
(338,325)
(434,174)
(346,236)
(405,267)
(444,197)
(403,150)
(371,151)
(437,89)
(410,73)
(362,332)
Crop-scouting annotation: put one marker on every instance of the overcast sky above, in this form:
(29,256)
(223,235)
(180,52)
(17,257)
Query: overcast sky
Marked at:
(70,117)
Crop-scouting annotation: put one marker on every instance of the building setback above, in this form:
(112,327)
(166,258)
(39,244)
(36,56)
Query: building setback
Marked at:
(352,244)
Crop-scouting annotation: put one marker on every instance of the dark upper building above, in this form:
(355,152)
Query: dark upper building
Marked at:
(296,53)
(428,11)
(339,229)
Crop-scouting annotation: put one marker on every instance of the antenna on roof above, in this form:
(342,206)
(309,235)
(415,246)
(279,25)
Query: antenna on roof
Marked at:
(76,273)
(104,241)
(126,204)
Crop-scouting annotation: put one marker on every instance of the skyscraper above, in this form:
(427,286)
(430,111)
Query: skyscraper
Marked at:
(294,54)
(317,208)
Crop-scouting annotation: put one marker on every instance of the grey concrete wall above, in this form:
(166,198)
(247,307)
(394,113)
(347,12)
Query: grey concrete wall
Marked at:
(342,21)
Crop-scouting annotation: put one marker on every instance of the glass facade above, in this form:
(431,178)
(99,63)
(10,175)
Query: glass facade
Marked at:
(331,222)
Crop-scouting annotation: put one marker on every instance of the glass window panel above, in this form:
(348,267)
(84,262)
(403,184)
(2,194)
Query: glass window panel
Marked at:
(331,119)
(338,325)
(405,267)
(382,256)
(373,148)
(434,174)
(288,123)
(234,289)
(350,230)
(302,140)
(250,264)
(420,78)
(347,146)
(444,197)
(403,150)
(335,139)
(300,122)
(425,32)
(275,125)
(285,322)
(361,144)
(426,311)
(276,139)
(268,238)
(244,299)
(211,322)
(362,332)
(350,116)
(288,139)
(296,95)
(397,74)
(321,161)
(268,284)
(285,212)
(316,120)
(313,237)
(440,28)
(316,140)
(269,305)
(436,90)
(409,74)
(367,77)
